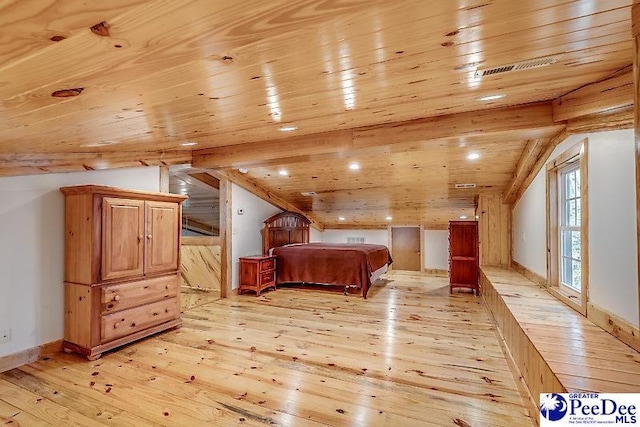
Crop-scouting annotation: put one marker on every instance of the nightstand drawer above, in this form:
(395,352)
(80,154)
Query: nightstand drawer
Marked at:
(268,277)
(267,264)
(132,294)
(126,322)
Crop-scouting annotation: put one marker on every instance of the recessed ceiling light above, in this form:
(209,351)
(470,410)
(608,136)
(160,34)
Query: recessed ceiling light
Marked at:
(289,128)
(491,97)
(473,156)
(341,218)
(189,144)
(283,172)
(243,170)
(463,217)
(354,166)
(388,218)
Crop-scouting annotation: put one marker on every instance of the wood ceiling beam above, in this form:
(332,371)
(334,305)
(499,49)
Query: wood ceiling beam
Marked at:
(33,164)
(266,195)
(613,93)
(207,179)
(525,121)
(529,156)
(547,147)
(620,119)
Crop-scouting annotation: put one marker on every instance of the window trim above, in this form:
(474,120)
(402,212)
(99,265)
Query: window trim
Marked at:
(576,300)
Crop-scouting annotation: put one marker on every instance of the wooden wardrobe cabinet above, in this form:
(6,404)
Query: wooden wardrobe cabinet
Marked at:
(284,228)
(122,261)
(463,255)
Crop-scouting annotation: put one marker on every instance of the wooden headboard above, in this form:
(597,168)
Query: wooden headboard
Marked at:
(284,228)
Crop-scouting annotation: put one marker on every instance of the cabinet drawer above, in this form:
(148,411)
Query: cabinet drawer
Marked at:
(268,277)
(126,322)
(132,294)
(267,264)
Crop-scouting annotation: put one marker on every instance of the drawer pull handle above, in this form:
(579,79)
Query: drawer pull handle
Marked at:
(115,325)
(149,236)
(116,298)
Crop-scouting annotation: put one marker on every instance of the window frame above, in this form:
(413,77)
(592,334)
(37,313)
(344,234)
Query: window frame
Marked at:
(575,157)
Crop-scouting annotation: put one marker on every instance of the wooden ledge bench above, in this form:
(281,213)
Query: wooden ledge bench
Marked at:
(555,348)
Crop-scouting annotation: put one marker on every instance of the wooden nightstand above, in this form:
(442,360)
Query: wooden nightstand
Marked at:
(257,272)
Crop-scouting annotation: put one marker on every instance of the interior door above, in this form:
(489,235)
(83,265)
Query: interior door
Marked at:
(405,246)
(122,235)
(162,237)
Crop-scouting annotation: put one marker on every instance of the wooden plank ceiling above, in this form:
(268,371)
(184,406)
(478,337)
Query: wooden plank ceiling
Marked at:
(388,84)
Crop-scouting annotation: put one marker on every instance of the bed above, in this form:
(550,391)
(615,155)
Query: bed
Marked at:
(349,265)
(354,266)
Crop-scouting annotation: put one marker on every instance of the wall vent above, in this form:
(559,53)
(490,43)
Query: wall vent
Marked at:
(517,66)
(465,186)
(309,193)
(355,240)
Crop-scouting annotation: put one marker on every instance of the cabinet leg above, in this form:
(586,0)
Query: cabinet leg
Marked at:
(93,357)
(68,350)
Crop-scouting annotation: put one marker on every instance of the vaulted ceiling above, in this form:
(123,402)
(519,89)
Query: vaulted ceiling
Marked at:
(394,86)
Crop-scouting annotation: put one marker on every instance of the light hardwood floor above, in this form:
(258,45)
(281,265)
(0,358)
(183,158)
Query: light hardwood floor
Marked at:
(410,355)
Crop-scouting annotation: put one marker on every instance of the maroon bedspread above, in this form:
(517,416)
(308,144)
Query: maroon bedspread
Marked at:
(333,264)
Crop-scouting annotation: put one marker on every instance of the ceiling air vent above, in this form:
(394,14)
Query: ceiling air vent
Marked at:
(465,186)
(309,193)
(517,66)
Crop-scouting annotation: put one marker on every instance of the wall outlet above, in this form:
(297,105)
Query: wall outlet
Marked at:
(5,336)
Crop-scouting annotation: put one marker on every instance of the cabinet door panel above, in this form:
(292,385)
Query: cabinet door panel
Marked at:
(163,234)
(122,233)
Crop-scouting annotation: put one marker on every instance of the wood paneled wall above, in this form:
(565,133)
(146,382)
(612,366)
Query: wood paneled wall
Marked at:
(494,227)
(201,267)
(535,371)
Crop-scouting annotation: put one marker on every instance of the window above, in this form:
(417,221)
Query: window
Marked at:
(567,226)
(569,214)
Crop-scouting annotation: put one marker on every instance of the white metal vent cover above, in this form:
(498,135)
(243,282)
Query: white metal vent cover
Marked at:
(518,66)
(309,193)
(353,240)
(465,186)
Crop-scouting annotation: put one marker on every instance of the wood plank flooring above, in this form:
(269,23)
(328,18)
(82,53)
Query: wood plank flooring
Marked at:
(409,355)
(191,298)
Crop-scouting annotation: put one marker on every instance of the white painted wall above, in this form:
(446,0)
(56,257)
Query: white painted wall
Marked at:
(529,230)
(374,237)
(613,260)
(436,249)
(32,250)
(613,281)
(246,237)
(315,235)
